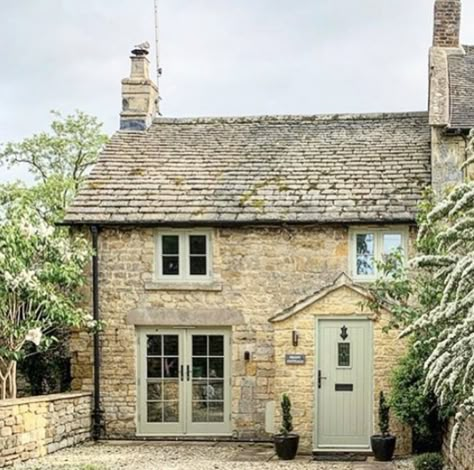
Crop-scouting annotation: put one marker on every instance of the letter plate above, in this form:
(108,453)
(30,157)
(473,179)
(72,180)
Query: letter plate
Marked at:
(344,387)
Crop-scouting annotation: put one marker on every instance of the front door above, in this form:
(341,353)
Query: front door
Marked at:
(183,381)
(343,381)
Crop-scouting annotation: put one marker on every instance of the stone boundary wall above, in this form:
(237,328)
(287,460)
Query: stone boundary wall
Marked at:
(463,456)
(35,426)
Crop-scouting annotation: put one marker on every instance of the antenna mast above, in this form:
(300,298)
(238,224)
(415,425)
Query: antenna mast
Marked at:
(157,46)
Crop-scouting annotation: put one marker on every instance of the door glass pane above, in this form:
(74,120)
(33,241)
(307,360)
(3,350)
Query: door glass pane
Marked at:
(154,391)
(216,367)
(215,390)
(170,345)
(199,345)
(216,411)
(170,390)
(216,345)
(208,390)
(199,412)
(154,412)
(162,375)
(154,367)
(171,412)
(154,345)
(343,354)
(199,367)
(365,254)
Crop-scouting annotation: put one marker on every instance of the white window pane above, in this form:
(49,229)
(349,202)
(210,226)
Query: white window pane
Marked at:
(391,242)
(365,265)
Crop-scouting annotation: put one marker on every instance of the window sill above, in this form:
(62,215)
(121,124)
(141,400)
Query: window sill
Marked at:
(210,286)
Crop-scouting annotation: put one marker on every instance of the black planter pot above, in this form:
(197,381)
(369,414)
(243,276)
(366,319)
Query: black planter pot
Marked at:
(286,447)
(383,447)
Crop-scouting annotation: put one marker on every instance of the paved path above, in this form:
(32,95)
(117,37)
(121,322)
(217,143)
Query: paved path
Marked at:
(128,455)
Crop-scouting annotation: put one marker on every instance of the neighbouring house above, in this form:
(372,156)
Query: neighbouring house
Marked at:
(233,257)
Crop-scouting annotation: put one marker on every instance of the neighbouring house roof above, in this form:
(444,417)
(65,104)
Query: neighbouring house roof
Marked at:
(461,88)
(251,170)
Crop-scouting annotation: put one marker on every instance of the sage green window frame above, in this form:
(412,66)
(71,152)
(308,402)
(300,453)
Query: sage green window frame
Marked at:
(184,237)
(378,233)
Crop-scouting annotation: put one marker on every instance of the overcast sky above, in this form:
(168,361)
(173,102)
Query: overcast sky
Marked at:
(219,57)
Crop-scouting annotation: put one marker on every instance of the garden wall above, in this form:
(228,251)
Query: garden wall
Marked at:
(463,456)
(35,426)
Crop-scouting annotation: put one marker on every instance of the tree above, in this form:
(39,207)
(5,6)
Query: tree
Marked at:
(41,271)
(59,160)
(432,298)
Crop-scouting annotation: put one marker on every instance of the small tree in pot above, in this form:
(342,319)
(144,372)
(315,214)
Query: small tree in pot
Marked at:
(286,443)
(383,444)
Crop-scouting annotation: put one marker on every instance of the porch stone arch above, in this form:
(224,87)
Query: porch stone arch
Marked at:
(342,298)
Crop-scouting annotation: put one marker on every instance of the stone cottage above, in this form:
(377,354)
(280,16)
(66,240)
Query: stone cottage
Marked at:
(233,256)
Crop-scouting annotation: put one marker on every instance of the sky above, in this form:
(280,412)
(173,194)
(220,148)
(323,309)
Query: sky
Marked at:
(219,57)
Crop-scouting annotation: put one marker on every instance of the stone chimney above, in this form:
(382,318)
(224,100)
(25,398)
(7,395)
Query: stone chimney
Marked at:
(139,93)
(447,23)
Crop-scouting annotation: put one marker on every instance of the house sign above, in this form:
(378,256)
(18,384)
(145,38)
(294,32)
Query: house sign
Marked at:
(295,359)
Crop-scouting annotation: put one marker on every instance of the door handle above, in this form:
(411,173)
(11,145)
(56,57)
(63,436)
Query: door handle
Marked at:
(182,373)
(320,378)
(187,373)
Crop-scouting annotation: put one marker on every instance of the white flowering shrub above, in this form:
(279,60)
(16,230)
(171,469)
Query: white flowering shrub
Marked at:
(450,366)
(41,272)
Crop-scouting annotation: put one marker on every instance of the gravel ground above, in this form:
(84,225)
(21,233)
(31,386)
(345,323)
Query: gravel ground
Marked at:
(183,456)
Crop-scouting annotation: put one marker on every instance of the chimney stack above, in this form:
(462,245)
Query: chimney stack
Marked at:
(447,23)
(139,93)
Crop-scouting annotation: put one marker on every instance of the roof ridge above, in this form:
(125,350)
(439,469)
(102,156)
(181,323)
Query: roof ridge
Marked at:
(285,118)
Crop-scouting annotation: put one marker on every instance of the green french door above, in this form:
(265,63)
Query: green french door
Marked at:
(183,381)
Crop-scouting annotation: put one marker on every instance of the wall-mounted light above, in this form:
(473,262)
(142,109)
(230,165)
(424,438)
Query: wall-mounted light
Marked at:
(247,355)
(294,338)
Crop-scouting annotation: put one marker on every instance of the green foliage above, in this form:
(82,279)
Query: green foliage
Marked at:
(59,160)
(412,403)
(428,461)
(286,417)
(41,273)
(47,371)
(384,415)
(41,265)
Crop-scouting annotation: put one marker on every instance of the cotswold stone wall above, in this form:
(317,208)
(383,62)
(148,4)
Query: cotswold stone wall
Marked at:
(462,457)
(258,272)
(298,381)
(36,426)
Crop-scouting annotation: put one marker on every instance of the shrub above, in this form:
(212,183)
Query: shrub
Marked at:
(412,404)
(286,417)
(384,415)
(429,461)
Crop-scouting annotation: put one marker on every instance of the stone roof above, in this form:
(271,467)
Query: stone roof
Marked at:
(252,170)
(461,88)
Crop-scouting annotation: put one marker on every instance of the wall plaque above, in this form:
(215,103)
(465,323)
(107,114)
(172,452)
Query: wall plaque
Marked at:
(295,359)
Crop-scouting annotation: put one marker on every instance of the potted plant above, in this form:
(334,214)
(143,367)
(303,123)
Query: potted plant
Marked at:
(383,444)
(286,443)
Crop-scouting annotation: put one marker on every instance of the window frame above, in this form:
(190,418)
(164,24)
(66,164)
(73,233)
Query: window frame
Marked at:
(184,256)
(378,233)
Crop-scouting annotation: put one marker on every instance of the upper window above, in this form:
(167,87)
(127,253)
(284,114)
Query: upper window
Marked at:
(369,246)
(183,256)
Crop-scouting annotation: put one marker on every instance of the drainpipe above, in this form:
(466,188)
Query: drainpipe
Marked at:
(96,412)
